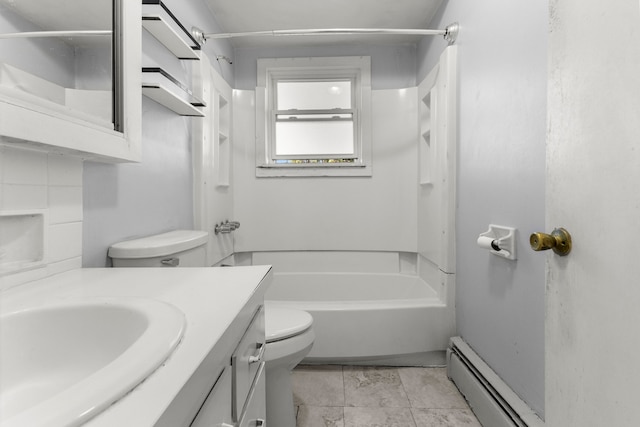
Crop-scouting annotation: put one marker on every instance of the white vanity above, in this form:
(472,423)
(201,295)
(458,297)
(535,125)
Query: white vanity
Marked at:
(214,376)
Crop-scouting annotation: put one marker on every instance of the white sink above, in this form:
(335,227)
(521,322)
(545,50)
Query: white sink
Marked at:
(63,363)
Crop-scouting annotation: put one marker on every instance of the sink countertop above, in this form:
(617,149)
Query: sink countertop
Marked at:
(211,299)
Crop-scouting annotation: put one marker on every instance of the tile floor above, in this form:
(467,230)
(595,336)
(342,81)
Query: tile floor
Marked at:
(357,396)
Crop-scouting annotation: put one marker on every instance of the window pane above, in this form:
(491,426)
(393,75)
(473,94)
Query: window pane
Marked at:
(314,138)
(314,95)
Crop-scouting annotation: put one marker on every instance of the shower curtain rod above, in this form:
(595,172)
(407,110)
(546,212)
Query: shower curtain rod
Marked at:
(33,34)
(450,33)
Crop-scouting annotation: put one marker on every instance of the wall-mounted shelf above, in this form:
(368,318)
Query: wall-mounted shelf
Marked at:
(426,154)
(164,26)
(223,164)
(160,86)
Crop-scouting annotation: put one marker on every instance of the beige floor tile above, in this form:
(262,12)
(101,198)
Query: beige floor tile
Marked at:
(318,385)
(316,416)
(378,417)
(430,388)
(444,418)
(374,387)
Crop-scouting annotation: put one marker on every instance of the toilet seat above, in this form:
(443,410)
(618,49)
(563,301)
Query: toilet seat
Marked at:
(283,323)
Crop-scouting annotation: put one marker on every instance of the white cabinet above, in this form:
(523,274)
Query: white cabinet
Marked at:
(246,363)
(216,410)
(238,397)
(61,111)
(254,414)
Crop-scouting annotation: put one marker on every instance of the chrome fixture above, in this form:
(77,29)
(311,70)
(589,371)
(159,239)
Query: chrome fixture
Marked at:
(226,227)
(450,33)
(222,228)
(224,58)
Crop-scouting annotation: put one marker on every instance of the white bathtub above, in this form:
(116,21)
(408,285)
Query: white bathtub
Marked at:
(360,317)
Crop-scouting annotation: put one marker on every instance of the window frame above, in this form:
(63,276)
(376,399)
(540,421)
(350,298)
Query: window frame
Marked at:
(354,112)
(273,70)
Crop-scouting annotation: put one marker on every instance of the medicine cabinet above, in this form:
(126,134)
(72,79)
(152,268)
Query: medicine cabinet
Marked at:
(70,77)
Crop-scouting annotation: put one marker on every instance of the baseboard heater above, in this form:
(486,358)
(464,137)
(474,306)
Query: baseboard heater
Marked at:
(492,401)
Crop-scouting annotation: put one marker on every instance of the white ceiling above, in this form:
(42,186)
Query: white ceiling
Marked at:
(263,15)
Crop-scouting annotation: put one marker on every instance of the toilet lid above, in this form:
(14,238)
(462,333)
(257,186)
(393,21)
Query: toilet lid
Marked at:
(281,323)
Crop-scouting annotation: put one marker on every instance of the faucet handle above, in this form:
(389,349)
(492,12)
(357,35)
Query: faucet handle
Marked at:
(223,228)
(234,225)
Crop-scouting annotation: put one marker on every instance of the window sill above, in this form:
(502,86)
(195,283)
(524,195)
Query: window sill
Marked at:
(267,171)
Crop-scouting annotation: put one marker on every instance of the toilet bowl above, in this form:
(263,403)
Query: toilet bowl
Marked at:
(289,332)
(289,338)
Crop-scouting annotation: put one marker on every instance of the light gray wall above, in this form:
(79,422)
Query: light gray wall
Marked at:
(125,201)
(392,66)
(502,128)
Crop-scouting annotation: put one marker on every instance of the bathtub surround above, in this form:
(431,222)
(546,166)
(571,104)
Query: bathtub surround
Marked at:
(332,213)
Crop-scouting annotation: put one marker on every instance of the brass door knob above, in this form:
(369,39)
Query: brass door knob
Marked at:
(559,240)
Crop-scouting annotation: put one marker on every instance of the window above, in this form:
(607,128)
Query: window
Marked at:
(313,117)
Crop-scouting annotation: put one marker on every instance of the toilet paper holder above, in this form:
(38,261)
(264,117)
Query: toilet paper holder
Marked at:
(500,240)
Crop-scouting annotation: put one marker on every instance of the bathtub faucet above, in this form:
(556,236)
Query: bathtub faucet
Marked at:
(223,228)
(226,227)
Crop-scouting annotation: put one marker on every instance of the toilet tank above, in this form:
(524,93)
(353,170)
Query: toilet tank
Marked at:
(178,248)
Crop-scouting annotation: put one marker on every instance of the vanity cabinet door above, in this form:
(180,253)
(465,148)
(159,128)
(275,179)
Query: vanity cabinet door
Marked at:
(246,361)
(256,407)
(216,410)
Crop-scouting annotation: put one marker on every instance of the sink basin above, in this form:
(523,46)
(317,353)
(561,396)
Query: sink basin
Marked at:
(63,363)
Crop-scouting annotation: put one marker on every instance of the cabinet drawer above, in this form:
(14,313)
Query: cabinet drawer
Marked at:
(246,361)
(216,410)
(255,411)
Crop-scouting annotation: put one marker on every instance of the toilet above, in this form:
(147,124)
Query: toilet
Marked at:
(289,332)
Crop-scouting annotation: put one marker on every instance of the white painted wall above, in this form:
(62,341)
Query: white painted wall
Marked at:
(392,66)
(502,50)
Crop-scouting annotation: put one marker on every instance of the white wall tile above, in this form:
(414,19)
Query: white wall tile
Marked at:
(65,204)
(23,167)
(65,170)
(53,183)
(62,266)
(19,278)
(21,197)
(65,241)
